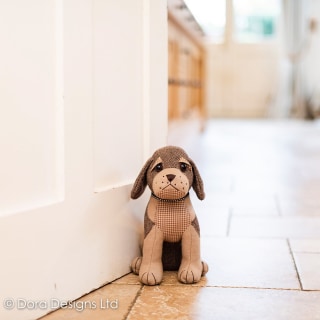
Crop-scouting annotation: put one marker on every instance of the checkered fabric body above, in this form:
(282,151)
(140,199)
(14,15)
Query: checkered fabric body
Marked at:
(173,219)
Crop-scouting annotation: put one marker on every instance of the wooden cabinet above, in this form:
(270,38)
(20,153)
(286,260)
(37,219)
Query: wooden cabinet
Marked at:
(185,63)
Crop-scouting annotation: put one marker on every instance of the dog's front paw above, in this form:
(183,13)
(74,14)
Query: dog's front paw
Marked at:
(151,275)
(190,273)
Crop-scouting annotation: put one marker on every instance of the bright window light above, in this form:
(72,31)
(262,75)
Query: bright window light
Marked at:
(211,16)
(255,20)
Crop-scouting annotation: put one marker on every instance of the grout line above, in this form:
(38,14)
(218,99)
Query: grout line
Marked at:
(295,265)
(133,302)
(308,252)
(265,237)
(258,288)
(235,287)
(229,222)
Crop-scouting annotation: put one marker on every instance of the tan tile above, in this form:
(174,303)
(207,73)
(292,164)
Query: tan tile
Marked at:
(164,302)
(277,227)
(174,302)
(129,279)
(241,262)
(171,278)
(109,302)
(308,265)
(305,245)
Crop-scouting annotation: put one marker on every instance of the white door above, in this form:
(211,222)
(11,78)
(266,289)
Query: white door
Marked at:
(83,94)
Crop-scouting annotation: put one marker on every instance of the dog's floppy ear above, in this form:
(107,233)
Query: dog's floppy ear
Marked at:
(197,184)
(141,181)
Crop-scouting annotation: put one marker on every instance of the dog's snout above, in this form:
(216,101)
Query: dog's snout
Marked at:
(171,177)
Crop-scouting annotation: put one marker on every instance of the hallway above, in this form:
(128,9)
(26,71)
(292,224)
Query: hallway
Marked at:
(260,228)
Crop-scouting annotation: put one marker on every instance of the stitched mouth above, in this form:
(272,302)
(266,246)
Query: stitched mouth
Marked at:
(170,185)
(170,193)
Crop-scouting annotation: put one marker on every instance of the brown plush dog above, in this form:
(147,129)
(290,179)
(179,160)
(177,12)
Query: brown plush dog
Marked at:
(171,229)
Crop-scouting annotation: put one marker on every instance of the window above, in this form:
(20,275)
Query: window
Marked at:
(255,20)
(211,16)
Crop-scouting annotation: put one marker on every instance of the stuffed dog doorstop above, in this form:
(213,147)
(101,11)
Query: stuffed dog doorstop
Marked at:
(171,228)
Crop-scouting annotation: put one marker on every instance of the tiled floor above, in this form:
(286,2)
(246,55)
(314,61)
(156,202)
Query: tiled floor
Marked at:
(260,225)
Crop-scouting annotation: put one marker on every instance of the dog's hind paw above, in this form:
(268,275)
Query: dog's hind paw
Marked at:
(205,268)
(135,265)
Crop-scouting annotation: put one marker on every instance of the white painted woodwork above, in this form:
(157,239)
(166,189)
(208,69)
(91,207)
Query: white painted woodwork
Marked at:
(83,96)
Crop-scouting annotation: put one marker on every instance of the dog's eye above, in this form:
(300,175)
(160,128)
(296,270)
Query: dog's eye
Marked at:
(158,167)
(183,167)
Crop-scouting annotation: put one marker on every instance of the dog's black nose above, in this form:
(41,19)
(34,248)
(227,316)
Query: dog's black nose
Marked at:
(170,177)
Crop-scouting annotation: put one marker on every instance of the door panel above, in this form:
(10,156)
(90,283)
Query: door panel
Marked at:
(116,75)
(30,149)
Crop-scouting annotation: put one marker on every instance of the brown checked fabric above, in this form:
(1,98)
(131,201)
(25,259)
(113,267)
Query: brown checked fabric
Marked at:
(173,219)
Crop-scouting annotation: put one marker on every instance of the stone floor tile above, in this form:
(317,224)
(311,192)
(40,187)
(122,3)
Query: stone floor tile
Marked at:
(261,184)
(255,210)
(240,199)
(109,302)
(205,210)
(214,224)
(213,217)
(242,262)
(164,302)
(196,303)
(252,304)
(218,183)
(300,196)
(299,209)
(305,245)
(308,265)
(128,279)
(217,199)
(275,227)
